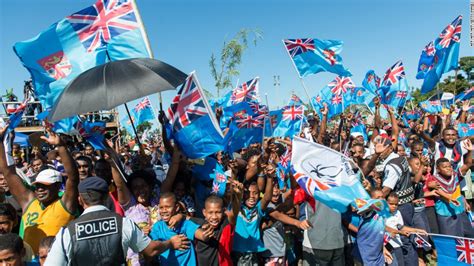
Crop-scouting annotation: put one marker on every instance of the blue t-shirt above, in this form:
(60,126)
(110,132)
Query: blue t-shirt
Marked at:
(370,239)
(161,232)
(247,238)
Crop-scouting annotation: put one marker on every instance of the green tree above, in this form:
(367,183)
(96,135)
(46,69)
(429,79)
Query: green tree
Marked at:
(143,127)
(224,69)
(466,64)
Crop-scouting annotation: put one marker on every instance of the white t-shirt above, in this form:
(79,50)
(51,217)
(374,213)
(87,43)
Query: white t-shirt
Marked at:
(393,223)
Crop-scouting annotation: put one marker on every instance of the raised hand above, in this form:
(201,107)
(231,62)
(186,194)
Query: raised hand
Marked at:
(466,105)
(53,138)
(380,146)
(467,144)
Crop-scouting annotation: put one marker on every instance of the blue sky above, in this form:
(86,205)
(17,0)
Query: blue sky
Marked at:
(184,33)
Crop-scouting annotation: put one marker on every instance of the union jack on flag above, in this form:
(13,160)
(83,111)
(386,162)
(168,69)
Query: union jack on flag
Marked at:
(452,33)
(430,49)
(299,46)
(293,112)
(258,109)
(465,250)
(145,103)
(250,122)
(220,178)
(340,85)
(188,105)
(98,24)
(401,94)
(394,74)
(435,103)
(246,92)
(374,77)
(285,159)
(336,99)
(215,187)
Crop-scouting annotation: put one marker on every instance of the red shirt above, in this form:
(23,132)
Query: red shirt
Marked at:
(430,200)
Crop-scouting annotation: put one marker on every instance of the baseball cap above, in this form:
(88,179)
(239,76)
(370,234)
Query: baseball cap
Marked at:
(48,177)
(93,183)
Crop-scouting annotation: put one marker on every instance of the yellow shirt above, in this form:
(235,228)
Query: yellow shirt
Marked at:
(39,222)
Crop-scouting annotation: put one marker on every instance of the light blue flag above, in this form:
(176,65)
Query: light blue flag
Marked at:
(290,123)
(465,130)
(337,95)
(195,127)
(295,100)
(446,55)
(361,95)
(426,60)
(219,182)
(432,107)
(454,251)
(143,111)
(465,95)
(271,122)
(360,128)
(371,82)
(127,124)
(93,132)
(79,42)
(326,175)
(311,56)
(243,132)
(205,170)
(235,111)
(394,90)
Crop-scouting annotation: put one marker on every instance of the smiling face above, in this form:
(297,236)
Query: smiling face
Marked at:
(46,193)
(213,213)
(167,208)
(450,136)
(251,196)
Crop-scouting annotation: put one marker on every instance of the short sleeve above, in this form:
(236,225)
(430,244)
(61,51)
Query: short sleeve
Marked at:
(56,254)
(155,231)
(133,237)
(391,177)
(189,229)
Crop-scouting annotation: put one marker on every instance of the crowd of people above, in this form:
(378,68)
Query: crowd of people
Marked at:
(152,206)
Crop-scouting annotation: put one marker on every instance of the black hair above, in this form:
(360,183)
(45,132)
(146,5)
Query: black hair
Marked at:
(393,195)
(169,195)
(13,242)
(6,209)
(88,161)
(106,172)
(46,242)
(448,128)
(442,160)
(149,178)
(214,199)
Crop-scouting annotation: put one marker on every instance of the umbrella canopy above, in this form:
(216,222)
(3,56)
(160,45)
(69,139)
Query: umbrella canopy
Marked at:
(109,85)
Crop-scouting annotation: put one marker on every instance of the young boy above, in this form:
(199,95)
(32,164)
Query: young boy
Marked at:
(217,250)
(8,220)
(12,250)
(394,225)
(450,204)
(247,239)
(168,207)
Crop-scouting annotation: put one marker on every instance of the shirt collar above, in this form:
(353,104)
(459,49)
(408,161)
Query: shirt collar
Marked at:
(95,208)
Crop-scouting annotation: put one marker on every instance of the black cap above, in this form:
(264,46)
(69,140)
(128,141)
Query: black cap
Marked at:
(93,183)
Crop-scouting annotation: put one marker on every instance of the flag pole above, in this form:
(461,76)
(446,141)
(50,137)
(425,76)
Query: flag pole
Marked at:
(147,42)
(301,78)
(133,125)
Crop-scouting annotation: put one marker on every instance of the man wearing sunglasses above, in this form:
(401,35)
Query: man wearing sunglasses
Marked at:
(44,211)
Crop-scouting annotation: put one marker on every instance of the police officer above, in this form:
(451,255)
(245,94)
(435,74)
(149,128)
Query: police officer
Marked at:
(100,236)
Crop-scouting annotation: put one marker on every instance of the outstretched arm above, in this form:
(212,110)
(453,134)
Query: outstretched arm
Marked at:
(17,188)
(172,171)
(322,129)
(71,193)
(270,173)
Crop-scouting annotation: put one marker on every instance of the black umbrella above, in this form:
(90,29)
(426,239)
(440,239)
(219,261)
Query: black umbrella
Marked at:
(109,85)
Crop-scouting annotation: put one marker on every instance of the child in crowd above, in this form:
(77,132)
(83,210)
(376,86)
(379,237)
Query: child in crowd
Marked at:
(168,207)
(216,251)
(395,227)
(44,248)
(247,239)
